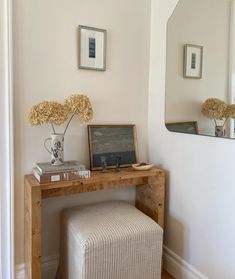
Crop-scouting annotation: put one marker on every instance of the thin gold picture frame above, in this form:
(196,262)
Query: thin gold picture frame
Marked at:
(80,66)
(185,69)
(192,124)
(90,127)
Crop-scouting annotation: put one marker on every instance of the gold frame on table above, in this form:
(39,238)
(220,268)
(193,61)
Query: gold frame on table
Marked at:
(89,127)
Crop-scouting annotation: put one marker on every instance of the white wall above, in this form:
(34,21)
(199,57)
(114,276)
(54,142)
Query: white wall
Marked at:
(45,58)
(200,194)
(208,26)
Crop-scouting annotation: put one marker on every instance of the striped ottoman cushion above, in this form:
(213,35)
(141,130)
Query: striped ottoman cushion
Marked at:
(111,240)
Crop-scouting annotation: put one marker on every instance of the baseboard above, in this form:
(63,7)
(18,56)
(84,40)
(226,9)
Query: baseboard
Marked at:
(49,268)
(178,267)
(20,271)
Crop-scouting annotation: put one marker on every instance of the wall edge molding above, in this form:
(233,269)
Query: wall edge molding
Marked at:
(178,267)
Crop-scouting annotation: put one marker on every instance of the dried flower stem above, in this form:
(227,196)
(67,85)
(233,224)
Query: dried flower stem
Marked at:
(53,127)
(68,123)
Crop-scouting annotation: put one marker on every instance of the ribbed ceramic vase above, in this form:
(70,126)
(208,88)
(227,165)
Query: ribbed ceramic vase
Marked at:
(56,149)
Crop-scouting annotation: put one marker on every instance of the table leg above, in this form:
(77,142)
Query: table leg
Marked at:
(150,198)
(32,231)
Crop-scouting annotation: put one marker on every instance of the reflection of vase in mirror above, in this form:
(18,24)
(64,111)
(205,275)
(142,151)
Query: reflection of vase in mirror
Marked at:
(219,131)
(204,23)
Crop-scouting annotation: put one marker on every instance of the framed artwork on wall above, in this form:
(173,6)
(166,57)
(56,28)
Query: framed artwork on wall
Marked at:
(190,127)
(92,48)
(110,143)
(193,57)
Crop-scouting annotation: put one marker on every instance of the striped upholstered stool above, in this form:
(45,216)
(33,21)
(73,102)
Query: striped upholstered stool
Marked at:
(111,240)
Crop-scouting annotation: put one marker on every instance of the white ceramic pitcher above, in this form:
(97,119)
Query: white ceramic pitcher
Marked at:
(56,149)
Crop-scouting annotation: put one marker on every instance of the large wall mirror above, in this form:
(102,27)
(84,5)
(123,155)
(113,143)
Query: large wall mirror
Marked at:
(200,73)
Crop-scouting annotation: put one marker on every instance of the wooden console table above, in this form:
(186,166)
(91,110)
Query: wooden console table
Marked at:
(150,195)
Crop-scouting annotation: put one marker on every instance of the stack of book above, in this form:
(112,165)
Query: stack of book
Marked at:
(70,170)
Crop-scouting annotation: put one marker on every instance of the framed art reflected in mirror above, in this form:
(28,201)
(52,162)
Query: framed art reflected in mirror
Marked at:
(189,127)
(193,58)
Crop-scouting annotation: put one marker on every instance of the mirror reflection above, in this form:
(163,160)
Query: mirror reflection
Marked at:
(200,73)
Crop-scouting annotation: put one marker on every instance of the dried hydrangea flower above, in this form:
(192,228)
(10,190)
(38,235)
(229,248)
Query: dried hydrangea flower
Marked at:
(214,108)
(79,105)
(229,111)
(52,113)
(55,113)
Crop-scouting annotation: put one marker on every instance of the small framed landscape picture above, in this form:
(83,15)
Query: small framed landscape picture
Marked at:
(193,56)
(92,48)
(189,127)
(112,143)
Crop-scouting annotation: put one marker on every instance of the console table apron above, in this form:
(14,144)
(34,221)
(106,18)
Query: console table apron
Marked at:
(150,195)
